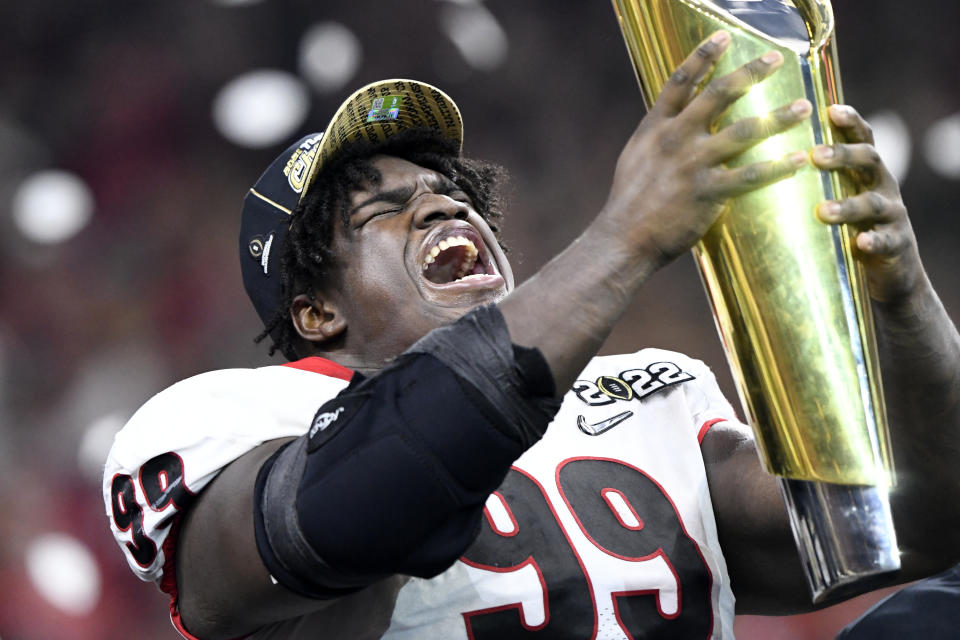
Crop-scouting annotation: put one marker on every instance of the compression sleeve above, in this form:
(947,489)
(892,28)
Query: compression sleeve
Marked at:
(394,472)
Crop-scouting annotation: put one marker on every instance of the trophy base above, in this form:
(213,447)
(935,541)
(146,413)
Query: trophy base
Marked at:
(844,534)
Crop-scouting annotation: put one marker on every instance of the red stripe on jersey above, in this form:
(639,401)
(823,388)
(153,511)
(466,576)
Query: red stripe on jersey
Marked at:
(706,427)
(325,367)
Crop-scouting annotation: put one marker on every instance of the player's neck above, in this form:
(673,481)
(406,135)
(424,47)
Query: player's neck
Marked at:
(355,362)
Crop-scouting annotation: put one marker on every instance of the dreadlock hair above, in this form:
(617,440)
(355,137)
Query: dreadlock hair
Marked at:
(306,256)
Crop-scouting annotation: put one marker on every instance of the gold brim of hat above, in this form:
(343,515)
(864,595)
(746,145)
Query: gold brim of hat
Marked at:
(381,109)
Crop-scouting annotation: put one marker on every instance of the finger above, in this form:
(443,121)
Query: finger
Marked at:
(736,138)
(721,92)
(684,81)
(850,125)
(869,208)
(881,242)
(863,158)
(734,182)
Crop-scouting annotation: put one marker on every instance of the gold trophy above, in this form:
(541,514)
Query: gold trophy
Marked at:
(789,301)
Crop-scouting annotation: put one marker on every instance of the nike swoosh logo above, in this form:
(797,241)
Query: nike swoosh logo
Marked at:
(604,425)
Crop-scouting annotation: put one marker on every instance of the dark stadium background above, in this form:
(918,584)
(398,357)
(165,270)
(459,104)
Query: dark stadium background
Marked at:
(119,96)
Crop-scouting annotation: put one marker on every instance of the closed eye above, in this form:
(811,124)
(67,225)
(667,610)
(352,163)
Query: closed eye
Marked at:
(380,214)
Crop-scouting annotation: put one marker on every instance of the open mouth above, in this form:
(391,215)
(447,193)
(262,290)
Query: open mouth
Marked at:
(456,255)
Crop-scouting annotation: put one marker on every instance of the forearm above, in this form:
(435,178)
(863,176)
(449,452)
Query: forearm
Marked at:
(920,359)
(920,354)
(568,308)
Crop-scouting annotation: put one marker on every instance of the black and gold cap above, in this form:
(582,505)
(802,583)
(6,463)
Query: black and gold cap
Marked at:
(374,112)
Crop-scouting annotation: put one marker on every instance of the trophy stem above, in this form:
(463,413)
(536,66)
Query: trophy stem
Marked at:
(844,534)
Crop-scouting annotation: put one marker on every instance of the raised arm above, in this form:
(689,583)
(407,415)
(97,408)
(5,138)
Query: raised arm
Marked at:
(919,350)
(920,361)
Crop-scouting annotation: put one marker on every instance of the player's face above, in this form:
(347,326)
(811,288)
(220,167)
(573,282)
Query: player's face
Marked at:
(414,256)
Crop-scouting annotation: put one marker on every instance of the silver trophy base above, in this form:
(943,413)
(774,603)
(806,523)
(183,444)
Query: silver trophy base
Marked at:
(844,534)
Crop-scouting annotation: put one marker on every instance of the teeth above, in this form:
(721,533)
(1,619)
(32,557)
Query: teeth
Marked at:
(470,253)
(467,265)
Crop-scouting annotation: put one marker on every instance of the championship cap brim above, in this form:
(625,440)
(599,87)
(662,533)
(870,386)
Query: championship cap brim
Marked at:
(380,109)
(373,113)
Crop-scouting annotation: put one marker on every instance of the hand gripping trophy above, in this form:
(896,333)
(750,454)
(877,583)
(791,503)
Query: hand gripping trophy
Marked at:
(789,301)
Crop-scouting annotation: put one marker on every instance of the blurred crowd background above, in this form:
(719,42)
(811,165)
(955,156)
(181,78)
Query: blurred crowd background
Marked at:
(129,132)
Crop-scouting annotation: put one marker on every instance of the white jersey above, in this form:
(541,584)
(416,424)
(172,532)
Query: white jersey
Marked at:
(603,529)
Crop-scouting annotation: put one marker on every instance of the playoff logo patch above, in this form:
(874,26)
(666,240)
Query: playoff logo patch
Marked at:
(630,384)
(259,248)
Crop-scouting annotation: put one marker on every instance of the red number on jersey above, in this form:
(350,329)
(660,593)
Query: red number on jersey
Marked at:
(623,513)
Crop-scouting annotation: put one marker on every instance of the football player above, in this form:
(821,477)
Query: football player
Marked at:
(444,457)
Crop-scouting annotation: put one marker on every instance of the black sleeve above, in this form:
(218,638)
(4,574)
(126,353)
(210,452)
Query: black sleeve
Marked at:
(394,472)
(929,609)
